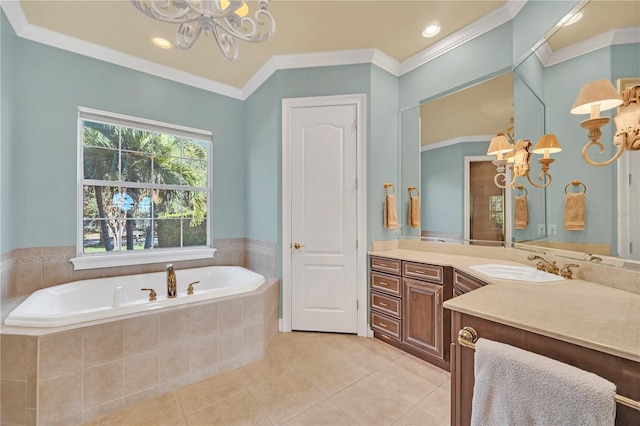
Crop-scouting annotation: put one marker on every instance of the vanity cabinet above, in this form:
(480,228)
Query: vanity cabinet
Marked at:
(463,283)
(406,310)
(624,373)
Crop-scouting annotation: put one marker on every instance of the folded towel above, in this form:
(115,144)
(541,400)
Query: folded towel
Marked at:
(390,214)
(414,211)
(521,212)
(517,387)
(574,212)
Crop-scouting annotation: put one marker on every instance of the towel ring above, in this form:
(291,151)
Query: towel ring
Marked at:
(387,186)
(522,188)
(575,183)
(412,188)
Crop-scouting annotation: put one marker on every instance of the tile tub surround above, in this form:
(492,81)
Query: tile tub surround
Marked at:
(27,270)
(73,375)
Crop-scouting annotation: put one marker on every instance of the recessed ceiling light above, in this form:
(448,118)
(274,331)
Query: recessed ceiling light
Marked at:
(162,43)
(571,18)
(431,30)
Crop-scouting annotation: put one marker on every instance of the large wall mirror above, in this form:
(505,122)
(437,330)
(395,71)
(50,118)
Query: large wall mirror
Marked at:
(543,88)
(604,43)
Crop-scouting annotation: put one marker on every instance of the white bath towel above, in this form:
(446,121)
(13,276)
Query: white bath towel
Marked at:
(517,387)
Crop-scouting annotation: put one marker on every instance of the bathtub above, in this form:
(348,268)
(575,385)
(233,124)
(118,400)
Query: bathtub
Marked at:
(101,298)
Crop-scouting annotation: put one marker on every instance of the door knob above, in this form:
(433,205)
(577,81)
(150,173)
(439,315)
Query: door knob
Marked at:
(297,246)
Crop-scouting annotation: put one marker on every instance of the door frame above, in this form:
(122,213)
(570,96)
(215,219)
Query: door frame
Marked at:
(288,104)
(468,159)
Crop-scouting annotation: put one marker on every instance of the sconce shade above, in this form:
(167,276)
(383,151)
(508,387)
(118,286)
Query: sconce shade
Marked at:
(599,92)
(499,145)
(548,143)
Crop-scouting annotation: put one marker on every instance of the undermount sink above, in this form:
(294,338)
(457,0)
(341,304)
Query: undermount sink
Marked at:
(520,273)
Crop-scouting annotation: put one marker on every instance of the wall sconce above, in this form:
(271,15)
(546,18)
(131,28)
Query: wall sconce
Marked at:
(519,156)
(594,97)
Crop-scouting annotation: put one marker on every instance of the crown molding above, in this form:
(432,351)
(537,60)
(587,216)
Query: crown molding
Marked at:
(61,41)
(477,28)
(610,38)
(24,29)
(456,140)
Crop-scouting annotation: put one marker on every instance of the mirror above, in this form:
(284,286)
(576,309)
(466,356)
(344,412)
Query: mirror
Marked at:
(459,200)
(573,56)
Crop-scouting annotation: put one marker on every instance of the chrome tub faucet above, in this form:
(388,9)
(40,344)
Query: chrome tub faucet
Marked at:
(172,287)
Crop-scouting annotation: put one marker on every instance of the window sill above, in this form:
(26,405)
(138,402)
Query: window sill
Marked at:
(140,258)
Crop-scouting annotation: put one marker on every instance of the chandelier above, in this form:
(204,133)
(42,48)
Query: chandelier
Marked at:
(517,156)
(226,20)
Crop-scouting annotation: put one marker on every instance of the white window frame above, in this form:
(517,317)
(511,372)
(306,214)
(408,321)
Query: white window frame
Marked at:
(138,257)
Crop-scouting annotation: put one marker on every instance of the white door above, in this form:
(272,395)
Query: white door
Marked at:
(323,164)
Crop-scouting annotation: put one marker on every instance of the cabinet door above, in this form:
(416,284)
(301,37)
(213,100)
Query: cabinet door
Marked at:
(422,316)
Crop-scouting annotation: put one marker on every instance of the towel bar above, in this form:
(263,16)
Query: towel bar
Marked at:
(575,183)
(467,337)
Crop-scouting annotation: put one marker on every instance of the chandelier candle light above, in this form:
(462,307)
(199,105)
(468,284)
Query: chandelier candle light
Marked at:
(519,155)
(226,20)
(600,95)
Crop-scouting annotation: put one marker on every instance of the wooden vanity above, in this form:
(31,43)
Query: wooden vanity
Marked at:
(406,307)
(420,300)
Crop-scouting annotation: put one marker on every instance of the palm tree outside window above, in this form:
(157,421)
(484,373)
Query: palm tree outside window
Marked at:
(144,187)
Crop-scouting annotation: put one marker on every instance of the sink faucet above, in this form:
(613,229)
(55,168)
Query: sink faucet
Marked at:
(544,265)
(172,287)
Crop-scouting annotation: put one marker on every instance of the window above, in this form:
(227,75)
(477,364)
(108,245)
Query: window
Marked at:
(144,191)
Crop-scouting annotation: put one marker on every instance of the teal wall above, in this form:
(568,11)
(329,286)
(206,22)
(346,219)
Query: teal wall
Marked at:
(7,105)
(477,60)
(442,201)
(45,137)
(560,93)
(410,165)
(536,19)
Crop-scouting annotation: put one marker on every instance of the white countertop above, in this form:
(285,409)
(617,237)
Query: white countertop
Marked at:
(575,311)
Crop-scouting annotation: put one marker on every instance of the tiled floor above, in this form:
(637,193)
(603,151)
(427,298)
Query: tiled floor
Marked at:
(307,379)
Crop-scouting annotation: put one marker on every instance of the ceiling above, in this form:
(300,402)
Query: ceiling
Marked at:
(302,26)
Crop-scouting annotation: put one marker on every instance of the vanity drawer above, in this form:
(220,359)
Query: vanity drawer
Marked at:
(386,283)
(464,283)
(432,273)
(385,304)
(391,266)
(386,325)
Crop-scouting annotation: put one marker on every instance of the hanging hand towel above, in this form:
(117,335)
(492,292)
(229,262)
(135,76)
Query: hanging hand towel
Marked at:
(390,214)
(414,211)
(521,219)
(574,212)
(517,387)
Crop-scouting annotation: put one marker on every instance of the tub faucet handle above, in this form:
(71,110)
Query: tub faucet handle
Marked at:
(190,288)
(152,293)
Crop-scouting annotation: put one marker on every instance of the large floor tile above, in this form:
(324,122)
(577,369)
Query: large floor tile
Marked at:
(163,410)
(210,391)
(324,413)
(236,410)
(418,417)
(370,402)
(438,404)
(330,374)
(286,396)
(408,385)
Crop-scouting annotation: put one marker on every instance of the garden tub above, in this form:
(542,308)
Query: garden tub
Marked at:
(101,298)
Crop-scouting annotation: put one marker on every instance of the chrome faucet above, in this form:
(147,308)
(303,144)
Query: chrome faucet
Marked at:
(544,265)
(172,287)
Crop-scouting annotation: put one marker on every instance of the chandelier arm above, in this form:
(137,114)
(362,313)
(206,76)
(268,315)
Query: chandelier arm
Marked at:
(160,10)
(540,179)
(247,29)
(227,44)
(599,144)
(504,176)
